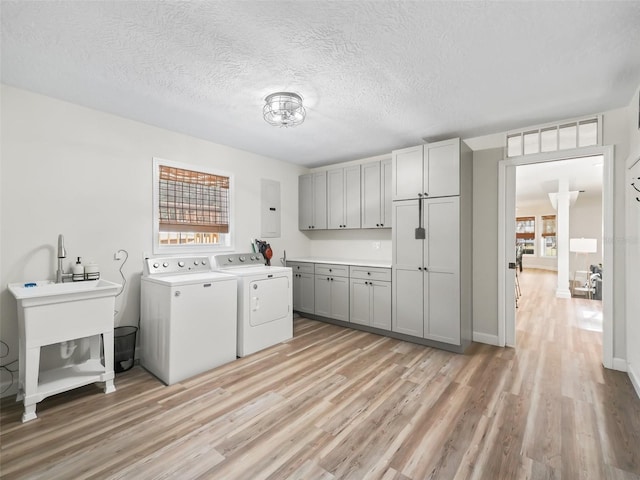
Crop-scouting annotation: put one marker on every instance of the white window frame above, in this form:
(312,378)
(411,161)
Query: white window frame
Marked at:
(159,248)
(543,237)
(539,129)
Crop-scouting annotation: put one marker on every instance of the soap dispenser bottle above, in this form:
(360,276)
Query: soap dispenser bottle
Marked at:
(77,271)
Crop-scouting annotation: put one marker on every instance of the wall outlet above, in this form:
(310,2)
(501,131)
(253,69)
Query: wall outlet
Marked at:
(117,255)
(376,245)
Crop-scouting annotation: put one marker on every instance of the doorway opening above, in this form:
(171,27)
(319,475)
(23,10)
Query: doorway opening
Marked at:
(507,235)
(558,241)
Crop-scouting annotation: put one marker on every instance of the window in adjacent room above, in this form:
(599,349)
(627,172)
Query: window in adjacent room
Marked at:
(192,208)
(526,234)
(548,237)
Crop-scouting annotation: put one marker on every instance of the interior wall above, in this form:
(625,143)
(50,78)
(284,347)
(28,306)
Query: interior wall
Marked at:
(616,132)
(88,175)
(485,194)
(585,221)
(367,244)
(485,242)
(633,245)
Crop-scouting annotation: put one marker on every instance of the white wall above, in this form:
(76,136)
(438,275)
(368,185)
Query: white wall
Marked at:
(485,242)
(585,221)
(633,247)
(88,175)
(616,132)
(485,196)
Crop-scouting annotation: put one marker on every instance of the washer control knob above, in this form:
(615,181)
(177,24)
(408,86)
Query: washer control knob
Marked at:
(165,264)
(156,265)
(195,262)
(181,264)
(242,259)
(204,262)
(229,259)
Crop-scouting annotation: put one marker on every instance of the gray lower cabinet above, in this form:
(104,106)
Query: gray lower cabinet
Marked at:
(303,287)
(370,297)
(332,291)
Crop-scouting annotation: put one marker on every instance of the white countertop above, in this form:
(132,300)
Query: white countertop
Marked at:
(342,261)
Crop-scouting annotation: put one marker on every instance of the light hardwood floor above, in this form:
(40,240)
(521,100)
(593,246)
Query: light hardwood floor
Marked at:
(340,403)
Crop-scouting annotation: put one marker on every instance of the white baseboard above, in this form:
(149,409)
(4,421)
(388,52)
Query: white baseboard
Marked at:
(486,338)
(635,379)
(541,267)
(619,364)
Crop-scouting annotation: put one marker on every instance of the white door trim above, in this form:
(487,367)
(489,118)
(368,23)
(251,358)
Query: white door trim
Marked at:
(506,203)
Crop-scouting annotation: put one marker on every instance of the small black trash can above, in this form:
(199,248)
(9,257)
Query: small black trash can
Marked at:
(124,348)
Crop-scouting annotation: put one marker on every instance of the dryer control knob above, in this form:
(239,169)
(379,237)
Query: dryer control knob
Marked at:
(229,260)
(195,262)
(165,264)
(156,265)
(242,259)
(204,262)
(181,264)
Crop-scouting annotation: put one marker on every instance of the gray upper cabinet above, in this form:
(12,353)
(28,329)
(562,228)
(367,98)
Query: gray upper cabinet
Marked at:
(343,197)
(376,194)
(431,170)
(407,173)
(312,195)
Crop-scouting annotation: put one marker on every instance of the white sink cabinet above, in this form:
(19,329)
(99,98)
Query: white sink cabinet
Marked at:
(50,313)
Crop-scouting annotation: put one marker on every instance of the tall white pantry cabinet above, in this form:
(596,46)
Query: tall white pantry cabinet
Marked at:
(431,277)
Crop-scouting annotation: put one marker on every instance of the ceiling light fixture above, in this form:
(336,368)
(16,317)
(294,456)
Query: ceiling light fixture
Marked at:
(284,109)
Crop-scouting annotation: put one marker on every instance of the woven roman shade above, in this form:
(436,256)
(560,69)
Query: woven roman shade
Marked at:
(191,201)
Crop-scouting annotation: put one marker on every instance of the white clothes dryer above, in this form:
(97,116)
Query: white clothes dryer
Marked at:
(265,300)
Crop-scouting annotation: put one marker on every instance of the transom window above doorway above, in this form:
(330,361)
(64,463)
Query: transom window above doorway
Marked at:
(584,132)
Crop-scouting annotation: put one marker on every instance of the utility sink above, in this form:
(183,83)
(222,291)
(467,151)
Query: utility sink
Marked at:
(45,291)
(50,313)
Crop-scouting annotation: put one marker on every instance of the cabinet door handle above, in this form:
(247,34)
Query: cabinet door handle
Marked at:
(419,195)
(368,273)
(327,279)
(332,279)
(377,224)
(330,270)
(420,268)
(426,194)
(382,224)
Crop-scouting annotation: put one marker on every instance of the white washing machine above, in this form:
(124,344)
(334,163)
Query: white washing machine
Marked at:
(265,300)
(188,317)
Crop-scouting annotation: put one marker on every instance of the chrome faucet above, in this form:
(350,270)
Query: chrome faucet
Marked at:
(62,253)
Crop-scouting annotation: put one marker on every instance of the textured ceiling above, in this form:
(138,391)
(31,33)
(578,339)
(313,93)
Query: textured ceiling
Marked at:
(375,75)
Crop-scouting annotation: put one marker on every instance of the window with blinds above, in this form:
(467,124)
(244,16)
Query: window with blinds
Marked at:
(548,236)
(192,207)
(526,234)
